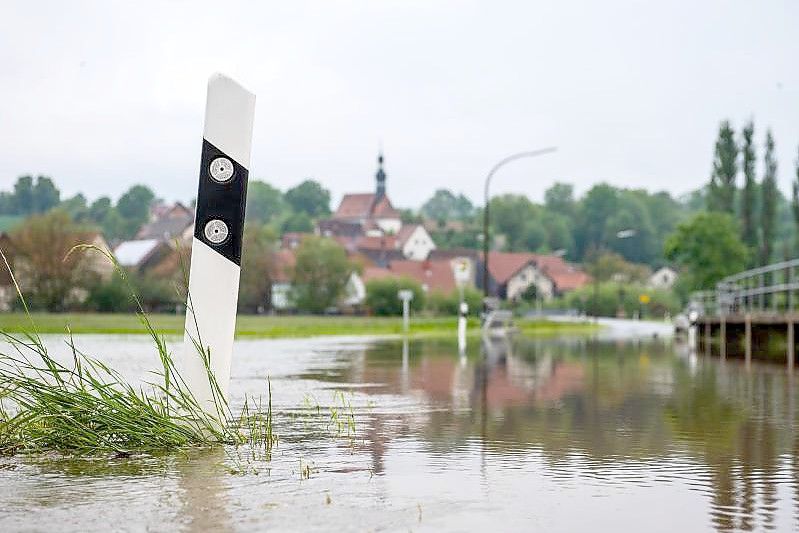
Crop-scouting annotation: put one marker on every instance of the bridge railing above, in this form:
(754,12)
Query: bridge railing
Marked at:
(771,289)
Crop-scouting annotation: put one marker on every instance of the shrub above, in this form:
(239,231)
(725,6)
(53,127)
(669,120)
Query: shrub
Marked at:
(382,300)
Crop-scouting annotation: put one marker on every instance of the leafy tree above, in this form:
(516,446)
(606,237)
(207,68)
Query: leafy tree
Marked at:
(23,196)
(257,267)
(749,194)
(721,195)
(608,266)
(770,193)
(134,208)
(596,208)
(47,271)
(320,274)
(45,195)
(99,209)
(309,197)
(409,216)
(382,299)
(444,205)
(298,222)
(560,199)
(264,202)
(76,208)
(708,247)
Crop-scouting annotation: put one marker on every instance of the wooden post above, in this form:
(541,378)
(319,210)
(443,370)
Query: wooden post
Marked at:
(707,337)
(748,338)
(790,341)
(723,337)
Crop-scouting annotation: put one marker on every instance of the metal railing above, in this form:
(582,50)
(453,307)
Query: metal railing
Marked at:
(771,289)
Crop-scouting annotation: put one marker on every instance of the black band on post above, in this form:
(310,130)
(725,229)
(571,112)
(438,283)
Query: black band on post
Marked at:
(223,201)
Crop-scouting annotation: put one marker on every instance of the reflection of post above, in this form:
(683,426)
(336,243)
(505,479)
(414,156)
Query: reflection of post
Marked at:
(204,502)
(405,366)
(406,296)
(464,312)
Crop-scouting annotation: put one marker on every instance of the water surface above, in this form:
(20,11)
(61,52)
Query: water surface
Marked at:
(562,434)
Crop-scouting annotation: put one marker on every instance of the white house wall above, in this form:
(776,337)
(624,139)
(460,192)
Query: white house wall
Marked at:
(419,245)
(527,276)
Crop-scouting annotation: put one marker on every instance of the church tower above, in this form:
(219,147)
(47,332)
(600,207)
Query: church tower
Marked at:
(380,177)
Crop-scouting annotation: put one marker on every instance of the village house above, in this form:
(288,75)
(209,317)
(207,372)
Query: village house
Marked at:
(663,278)
(368,223)
(513,276)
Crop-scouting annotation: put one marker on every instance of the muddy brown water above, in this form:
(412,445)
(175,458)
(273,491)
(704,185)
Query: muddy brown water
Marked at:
(559,434)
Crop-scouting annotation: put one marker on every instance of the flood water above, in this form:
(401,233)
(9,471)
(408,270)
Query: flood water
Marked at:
(558,434)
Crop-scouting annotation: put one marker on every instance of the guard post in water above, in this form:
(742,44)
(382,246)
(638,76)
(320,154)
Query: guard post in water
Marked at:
(216,246)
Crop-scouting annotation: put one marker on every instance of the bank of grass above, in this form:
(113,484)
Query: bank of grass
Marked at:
(262,326)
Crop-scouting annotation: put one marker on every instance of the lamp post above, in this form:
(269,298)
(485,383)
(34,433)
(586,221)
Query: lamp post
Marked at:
(486,215)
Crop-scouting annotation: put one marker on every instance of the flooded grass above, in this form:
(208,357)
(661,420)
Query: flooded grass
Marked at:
(263,326)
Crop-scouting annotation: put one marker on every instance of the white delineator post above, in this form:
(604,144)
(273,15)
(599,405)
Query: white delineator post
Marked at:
(216,245)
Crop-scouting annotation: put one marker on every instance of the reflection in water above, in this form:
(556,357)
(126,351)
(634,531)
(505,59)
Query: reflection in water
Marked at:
(632,434)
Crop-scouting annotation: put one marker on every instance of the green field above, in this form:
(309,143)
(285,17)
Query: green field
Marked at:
(267,326)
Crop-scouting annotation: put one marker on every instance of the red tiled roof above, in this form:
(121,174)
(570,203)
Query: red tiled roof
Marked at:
(372,272)
(384,242)
(434,275)
(504,265)
(355,206)
(566,277)
(405,233)
(364,206)
(384,209)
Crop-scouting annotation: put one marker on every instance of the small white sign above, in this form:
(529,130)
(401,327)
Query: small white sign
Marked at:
(462,270)
(405,295)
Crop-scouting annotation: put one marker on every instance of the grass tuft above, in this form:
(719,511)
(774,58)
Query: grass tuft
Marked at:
(86,408)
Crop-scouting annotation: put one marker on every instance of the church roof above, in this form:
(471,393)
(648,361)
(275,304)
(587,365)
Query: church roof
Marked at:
(364,206)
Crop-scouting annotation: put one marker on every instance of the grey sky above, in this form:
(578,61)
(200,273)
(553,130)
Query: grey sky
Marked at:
(102,96)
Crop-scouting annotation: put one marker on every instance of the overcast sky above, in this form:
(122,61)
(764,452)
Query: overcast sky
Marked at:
(103,96)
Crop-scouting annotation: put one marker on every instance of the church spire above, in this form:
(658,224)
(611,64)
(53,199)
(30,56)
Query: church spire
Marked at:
(380,177)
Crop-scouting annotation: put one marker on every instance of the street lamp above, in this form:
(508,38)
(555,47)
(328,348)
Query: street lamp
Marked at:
(503,162)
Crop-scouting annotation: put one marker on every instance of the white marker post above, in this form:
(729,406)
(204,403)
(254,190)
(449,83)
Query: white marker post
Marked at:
(406,295)
(462,270)
(216,246)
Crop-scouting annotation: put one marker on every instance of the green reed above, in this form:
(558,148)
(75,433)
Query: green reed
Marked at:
(85,407)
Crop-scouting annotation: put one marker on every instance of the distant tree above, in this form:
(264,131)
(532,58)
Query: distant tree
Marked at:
(76,208)
(445,205)
(264,202)
(257,268)
(721,195)
(23,196)
(708,247)
(770,198)
(559,198)
(309,197)
(610,266)
(45,195)
(382,299)
(519,220)
(299,221)
(597,207)
(320,274)
(795,202)
(134,209)
(99,209)
(40,249)
(409,216)
(749,194)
